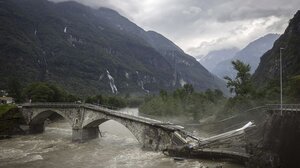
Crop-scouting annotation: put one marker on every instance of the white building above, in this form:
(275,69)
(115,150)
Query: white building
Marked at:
(6,100)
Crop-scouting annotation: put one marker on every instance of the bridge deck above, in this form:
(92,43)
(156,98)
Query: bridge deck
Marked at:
(107,111)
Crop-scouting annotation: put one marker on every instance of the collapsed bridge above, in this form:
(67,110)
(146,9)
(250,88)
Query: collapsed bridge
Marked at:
(85,119)
(157,135)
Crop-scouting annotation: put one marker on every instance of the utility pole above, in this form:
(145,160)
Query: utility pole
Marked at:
(281,79)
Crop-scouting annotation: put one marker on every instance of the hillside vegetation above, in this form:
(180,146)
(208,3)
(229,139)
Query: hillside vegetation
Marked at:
(184,103)
(90,51)
(267,75)
(4,108)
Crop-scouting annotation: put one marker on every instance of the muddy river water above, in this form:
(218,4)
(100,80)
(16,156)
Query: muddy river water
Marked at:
(118,148)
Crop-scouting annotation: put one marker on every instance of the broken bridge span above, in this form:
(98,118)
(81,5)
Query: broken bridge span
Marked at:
(85,119)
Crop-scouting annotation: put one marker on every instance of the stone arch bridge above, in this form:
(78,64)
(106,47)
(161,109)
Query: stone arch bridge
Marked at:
(85,119)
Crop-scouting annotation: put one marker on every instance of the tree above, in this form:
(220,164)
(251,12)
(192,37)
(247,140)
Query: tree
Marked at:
(219,94)
(184,92)
(188,89)
(44,92)
(40,93)
(116,102)
(163,94)
(98,99)
(241,85)
(293,88)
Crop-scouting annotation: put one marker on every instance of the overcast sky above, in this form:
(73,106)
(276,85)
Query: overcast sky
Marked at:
(199,26)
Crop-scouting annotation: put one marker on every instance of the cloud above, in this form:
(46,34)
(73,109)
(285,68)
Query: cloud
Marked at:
(199,26)
(192,10)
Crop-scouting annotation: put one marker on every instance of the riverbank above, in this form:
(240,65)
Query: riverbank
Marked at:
(10,120)
(4,108)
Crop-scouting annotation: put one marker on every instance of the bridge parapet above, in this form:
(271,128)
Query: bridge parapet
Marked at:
(67,104)
(52,105)
(98,108)
(285,107)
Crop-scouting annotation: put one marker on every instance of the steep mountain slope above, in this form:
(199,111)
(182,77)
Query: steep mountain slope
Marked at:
(87,51)
(213,58)
(268,68)
(186,69)
(250,54)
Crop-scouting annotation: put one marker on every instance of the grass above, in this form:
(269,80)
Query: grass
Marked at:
(5,108)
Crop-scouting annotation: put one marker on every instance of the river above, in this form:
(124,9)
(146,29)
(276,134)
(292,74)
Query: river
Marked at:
(117,148)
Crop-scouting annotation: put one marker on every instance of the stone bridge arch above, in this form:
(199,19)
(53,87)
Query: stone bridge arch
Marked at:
(148,135)
(36,124)
(40,116)
(134,128)
(36,117)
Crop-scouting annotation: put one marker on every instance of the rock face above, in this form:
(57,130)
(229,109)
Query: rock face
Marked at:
(276,142)
(268,68)
(90,51)
(186,69)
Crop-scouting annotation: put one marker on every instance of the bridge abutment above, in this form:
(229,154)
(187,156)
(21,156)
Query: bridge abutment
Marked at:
(276,142)
(85,134)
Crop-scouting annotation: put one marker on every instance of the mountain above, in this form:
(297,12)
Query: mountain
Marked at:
(250,54)
(213,58)
(268,68)
(89,51)
(186,69)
